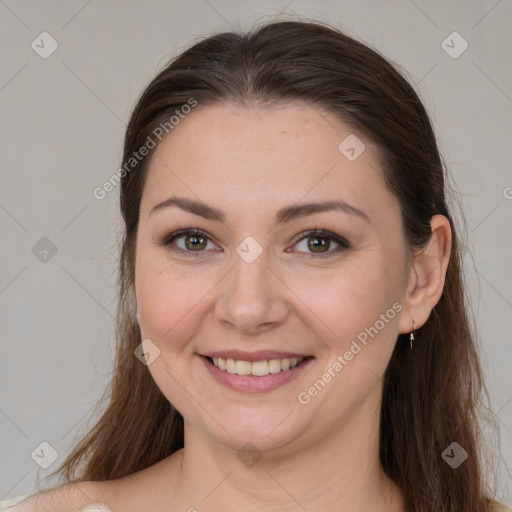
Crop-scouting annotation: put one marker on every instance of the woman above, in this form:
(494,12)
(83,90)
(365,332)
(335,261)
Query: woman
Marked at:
(292,331)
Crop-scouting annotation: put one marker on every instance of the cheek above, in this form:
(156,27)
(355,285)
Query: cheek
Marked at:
(360,309)
(169,300)
(351,298)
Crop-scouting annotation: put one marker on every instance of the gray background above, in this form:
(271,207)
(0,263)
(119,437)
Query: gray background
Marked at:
(62,124)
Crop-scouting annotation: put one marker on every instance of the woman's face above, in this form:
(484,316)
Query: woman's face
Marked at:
(256,287)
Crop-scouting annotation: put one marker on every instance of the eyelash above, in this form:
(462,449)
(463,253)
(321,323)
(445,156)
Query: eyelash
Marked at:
(317,232)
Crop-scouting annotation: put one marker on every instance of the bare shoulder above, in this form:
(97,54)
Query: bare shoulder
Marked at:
(136,491)
(62,498)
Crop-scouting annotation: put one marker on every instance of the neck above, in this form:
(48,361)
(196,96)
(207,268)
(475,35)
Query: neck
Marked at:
(341,471)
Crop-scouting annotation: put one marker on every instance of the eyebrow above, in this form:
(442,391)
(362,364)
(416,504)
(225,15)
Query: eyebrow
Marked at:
(286,214)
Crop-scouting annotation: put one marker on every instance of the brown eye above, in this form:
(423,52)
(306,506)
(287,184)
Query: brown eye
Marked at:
(187,241)
(317,243)
(195,242)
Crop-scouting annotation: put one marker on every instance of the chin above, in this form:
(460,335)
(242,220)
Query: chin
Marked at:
(267,430)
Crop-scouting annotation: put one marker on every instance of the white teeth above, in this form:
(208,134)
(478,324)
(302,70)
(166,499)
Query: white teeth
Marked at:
(274,366)
(258,368)
(230,366)
(285,364)
(243,367)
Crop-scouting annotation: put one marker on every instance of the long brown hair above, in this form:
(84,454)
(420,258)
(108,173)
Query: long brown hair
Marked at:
(432,395)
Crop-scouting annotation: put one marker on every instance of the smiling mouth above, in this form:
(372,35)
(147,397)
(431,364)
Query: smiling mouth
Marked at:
(256,368)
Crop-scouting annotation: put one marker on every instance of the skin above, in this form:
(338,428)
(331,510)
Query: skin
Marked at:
(249,162)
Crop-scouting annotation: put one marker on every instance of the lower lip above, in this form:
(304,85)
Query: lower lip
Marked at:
(253,383)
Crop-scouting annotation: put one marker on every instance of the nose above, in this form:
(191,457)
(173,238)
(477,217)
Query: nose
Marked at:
(252,297)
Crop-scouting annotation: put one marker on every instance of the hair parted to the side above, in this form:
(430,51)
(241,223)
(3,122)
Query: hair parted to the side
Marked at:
(433,394)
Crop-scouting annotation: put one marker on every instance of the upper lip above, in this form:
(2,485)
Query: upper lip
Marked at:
(259,355)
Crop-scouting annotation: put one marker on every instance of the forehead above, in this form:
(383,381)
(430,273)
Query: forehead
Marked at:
(251,156)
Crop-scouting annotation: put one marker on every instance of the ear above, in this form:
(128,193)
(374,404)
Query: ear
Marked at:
(427,276)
